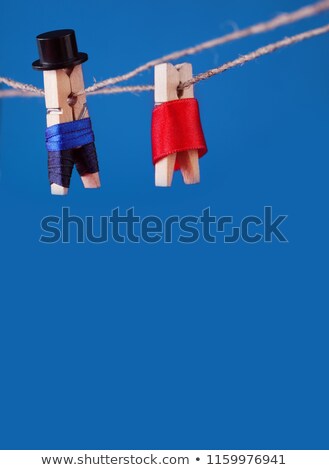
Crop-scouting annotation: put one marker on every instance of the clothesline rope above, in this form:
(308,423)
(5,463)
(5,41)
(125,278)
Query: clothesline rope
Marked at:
(103,87)
(269,49)
(281,20)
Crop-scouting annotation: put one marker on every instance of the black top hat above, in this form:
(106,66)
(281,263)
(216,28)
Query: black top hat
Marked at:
(58,50)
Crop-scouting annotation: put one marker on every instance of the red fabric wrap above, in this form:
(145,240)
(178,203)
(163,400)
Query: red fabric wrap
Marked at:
(176,127)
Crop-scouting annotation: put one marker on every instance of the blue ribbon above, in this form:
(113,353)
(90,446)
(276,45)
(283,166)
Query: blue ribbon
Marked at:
(69,135)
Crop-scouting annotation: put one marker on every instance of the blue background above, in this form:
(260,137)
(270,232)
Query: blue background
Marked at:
(168,346)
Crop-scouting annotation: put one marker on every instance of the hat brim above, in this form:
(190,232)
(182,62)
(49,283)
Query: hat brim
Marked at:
(81,57)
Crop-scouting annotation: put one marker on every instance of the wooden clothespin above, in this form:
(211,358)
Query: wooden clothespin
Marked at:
(65,99)
(168,127)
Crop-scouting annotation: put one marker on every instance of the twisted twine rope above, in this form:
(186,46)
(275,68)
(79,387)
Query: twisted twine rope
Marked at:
(281,20)
(269,49)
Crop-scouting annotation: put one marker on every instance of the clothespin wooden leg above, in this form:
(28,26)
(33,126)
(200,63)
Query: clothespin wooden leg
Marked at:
(188,161)
(167,79)
(80,111)
(57,89)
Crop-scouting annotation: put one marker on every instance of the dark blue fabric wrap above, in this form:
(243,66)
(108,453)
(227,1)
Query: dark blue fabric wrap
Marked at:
(60,163)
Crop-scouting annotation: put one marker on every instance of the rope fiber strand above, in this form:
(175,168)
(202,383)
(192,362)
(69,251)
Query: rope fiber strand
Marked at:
(23,87)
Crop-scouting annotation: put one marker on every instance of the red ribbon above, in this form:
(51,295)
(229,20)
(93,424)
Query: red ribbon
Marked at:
(176,127)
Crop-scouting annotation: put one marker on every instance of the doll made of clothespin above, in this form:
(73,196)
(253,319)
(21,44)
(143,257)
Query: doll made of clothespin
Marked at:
(177,137)
(69,137)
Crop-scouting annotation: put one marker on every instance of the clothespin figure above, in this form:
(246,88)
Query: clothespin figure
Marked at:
(69,137)
(177,137)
